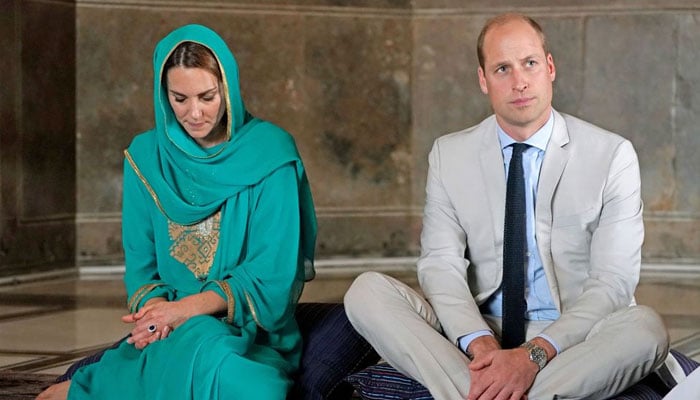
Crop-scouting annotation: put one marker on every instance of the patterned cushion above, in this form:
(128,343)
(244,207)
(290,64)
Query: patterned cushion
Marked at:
(332,350)
(672,374)
(649,388)
(657,385)
(382,381)
(688,364)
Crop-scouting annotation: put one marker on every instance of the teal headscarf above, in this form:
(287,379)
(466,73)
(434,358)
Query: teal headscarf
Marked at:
(189,183)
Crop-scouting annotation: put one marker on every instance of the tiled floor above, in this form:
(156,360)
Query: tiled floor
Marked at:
(47,325)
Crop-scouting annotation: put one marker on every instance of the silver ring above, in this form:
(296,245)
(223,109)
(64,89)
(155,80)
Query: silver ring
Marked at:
(152,328)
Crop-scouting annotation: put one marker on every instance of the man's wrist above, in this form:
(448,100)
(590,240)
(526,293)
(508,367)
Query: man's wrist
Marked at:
(546,345)
(537,354)
(464,341)
(480,345)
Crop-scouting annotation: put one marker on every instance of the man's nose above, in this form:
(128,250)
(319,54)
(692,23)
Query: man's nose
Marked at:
(519,81)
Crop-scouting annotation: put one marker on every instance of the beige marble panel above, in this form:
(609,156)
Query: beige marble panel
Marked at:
(282,5)
(603,77)
(445,89)
(366,86)
(64,331)
(9,45)
(97,291)
(341,87)
(368,235)
(6,361)
(670,237)
(357,73)
(669,296)
(565,41)
(11,310)
(59,369)
(687,116)
(619,96)
(37,145)
(48,109)
(38,246)
(549,7)
(99,241)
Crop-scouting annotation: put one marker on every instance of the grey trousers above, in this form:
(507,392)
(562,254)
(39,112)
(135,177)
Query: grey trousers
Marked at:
(403,328)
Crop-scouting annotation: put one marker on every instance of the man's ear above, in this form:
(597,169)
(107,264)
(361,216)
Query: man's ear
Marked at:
(550,67)
(482,81)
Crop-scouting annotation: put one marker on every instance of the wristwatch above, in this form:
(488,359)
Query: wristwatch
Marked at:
(537,354)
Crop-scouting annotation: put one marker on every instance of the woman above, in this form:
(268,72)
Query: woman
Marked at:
(218,233)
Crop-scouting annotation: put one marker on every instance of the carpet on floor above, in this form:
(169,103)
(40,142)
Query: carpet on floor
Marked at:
(22,385)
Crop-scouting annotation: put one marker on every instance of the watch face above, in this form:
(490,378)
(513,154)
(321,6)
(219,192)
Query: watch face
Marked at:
(538,355)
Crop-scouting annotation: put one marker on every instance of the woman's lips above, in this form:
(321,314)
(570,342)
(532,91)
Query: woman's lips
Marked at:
(196,126)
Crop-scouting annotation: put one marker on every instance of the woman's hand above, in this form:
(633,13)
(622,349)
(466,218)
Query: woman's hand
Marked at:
(158,317)
(154,321)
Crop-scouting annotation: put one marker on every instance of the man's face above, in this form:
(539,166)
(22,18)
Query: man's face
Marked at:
(517,76)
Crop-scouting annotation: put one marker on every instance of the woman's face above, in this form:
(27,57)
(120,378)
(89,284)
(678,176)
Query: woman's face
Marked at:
(195,96)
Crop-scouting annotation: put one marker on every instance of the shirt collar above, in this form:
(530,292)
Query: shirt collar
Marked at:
(538,140)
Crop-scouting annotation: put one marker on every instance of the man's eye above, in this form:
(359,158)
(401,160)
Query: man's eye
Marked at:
(502,68)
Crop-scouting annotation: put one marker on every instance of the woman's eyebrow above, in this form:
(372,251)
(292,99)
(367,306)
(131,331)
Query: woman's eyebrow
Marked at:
(198,94)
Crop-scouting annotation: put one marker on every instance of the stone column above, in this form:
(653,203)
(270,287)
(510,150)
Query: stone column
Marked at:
(37,156)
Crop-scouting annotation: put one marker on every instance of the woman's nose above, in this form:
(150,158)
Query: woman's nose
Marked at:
(195,111)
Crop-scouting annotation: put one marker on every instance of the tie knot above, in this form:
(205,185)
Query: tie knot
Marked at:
(519,148)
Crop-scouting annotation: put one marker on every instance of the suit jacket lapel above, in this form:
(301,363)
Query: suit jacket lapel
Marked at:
(493,173)
(555,159)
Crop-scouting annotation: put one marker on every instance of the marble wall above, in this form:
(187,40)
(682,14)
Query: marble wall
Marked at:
(37,137)
(364,86)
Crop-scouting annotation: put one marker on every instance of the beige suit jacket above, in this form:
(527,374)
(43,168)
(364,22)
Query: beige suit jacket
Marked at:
(588,220)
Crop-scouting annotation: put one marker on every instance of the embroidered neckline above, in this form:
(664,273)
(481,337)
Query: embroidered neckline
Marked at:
(196,245)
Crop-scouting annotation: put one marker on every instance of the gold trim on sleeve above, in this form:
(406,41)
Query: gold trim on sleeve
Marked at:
(252,310)
(230,300)
(139,294)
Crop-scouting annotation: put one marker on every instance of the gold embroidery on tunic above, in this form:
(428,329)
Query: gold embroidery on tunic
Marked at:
(195,245)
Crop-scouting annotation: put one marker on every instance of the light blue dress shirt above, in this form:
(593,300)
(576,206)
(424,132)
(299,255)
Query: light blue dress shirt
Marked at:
(540,305)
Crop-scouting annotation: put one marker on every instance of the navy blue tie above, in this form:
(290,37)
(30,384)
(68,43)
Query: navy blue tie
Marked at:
(514,247)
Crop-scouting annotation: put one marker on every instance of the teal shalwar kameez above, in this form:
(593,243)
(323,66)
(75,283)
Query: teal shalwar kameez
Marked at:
(236,219)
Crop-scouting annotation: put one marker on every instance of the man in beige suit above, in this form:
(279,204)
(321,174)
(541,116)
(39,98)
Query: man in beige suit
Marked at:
(586,338)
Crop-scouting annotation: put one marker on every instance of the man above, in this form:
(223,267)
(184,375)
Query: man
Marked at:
(579,250)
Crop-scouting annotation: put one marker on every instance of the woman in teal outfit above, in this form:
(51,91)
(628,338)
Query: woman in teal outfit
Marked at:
(218,231)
